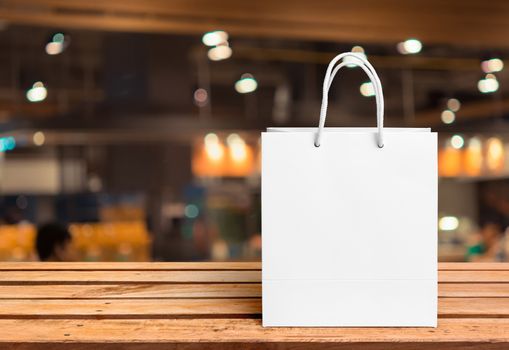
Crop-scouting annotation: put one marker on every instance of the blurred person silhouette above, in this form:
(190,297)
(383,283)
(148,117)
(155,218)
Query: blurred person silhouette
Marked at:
(53,243)
(487,244)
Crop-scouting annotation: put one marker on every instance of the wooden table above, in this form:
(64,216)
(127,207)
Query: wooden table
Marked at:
(218,305)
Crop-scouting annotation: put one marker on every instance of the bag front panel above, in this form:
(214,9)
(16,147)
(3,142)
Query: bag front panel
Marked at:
(348,210)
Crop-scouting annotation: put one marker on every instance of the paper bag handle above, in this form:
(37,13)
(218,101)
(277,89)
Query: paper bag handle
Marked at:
(377,85)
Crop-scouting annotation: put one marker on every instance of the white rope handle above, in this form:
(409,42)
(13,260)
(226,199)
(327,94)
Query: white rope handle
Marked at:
(377,85)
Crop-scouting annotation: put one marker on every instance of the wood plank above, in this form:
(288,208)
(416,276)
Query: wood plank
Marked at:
(128,308)
(251,290)
(473,331)
(473,307)
(130,276)
(151,266)
(491,276)
(453,266)
(150,308)
(157,290)
(127,290)
(251,265)
(462,290)
(486,276)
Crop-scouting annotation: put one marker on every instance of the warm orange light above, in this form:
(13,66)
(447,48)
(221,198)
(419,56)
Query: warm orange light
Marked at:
(237,148)
(212,159)
(240,160)
(213,148)
(473,157)
(208,161)
(449,162)
(494,155)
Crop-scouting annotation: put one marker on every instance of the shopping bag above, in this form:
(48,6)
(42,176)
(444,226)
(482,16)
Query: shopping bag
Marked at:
(349,222)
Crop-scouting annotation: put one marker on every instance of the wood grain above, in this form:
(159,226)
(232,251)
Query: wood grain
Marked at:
(227,290)
(116,266)
(242,330)
(130,276)
(211,276)
(485,276)
(218,306)
(130,291)
(136,308)
(154,266)
(472,266)
(461,290)
(114,308)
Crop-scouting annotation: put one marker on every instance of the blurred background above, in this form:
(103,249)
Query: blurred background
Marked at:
(136,124)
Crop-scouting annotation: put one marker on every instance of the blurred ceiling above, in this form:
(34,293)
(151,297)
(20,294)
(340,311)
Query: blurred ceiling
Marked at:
(132,67)
(452,22)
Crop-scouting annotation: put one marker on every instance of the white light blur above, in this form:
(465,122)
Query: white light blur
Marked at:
(488,85)
(38,138)
(494,153)
(58,43)
(219,53)
(448,223)
(37,93)
(353,62)
(358,49)
(201,97)
(58,37)
(475,143)
(211,138)
(409,47)
(367,89)
(246,84)
(191,211)
(54,48)
(457,141)
(237,147)
(215,38)
(213,147)
(448,117)
(453,104)
(492,65)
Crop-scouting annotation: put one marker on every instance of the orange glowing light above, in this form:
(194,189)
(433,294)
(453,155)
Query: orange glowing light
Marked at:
(449,162)
(495,155)
(211,158)
(473,158)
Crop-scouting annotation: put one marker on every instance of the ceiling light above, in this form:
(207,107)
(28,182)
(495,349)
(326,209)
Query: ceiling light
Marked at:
(54,48)
(453,104)
(219,53)
(215,38)
(409,47)
(367,89)
(38,138)
(448,223)
(492,65)
(488,85)
(457,141)
(37,93)
(448,117)
(201,97)
(57,44)
(246,84)
(353,62)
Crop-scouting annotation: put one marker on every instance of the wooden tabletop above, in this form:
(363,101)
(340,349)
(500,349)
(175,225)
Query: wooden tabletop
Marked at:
(218,305)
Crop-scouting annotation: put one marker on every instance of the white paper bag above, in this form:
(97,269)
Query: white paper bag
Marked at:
(349,222)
